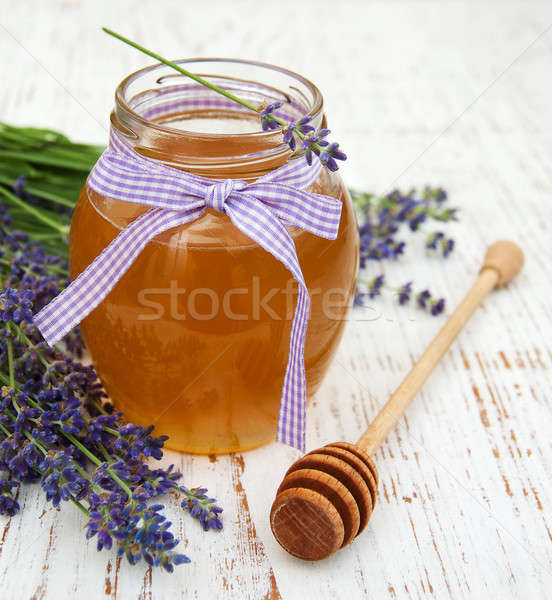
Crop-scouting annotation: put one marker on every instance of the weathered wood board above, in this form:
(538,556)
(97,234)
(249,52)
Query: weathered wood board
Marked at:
(450,93)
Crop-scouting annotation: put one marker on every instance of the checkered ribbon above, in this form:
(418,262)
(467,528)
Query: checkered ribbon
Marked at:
(261,210)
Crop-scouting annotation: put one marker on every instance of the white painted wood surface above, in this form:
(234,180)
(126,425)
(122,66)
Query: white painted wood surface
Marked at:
(450,93)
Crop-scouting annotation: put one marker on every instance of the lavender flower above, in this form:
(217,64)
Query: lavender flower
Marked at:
(60,479)
(437,194)
(404,293)
(301,127)
(267,122)
(437,306)
(358,299)
(18,186)
(202,507)
(8,503)
(139,530)
(433,239)
(331,154)
(375,285)
(448,247)
(310,144)
(438,240)
(16,306)
(416,221)
(313,142)
(422,298)
(382,218)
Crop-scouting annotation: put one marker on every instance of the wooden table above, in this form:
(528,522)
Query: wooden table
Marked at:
(449,93)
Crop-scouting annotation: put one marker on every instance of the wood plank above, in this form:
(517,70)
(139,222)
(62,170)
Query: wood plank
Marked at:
(464,502)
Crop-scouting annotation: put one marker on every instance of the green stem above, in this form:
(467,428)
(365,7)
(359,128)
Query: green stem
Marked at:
(63,230)
(180,69)
(80,506)
(36,191)
(40,157)
(10,358)
(24,338)
(104,451)
(98,462)
(383,287)
(364,281)
(49,236)
(112,431)
(98,405)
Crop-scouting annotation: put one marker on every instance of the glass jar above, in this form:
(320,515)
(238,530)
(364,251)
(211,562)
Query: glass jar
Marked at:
(194,338)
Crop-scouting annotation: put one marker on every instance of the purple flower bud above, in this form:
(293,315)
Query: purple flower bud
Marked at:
(422,298)
(437,306)
(272,107)
(448,247)
(374,287)
(328,161)
(404,293)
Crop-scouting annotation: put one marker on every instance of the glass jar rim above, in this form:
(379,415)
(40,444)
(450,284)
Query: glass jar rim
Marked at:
(158,88)
(122,101)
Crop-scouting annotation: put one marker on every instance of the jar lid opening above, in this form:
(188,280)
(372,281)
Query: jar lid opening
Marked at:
(154,106)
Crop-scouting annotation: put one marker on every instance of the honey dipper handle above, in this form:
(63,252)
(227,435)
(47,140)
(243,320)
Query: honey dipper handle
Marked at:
(503,261)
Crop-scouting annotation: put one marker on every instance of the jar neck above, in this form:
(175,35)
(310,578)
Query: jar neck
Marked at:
(155,108)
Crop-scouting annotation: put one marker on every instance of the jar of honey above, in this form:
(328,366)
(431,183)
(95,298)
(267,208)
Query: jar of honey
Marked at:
(194,338)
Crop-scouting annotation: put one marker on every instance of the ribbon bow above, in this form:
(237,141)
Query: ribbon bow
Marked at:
(261,210)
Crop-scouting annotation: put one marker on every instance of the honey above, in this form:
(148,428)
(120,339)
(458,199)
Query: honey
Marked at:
(194,338)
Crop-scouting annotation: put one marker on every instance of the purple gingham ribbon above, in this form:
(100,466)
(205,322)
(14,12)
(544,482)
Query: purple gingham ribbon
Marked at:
(261,210)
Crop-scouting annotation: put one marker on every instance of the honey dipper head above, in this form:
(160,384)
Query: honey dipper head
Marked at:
(324,501)
(506,258)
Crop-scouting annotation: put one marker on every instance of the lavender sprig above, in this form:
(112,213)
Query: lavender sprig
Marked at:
(202,507)
(313,142)
(8,490)
(435,305)
(404,293)
(438,240)
(382,218)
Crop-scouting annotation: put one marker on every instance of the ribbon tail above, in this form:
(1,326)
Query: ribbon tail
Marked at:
(88,290)
(292,417)
(261,225)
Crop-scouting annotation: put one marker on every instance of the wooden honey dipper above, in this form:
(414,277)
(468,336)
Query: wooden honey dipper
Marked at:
(327,497)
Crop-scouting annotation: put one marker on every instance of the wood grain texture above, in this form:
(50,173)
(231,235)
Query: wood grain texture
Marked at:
(324,501)
(332,489)
(450,93)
